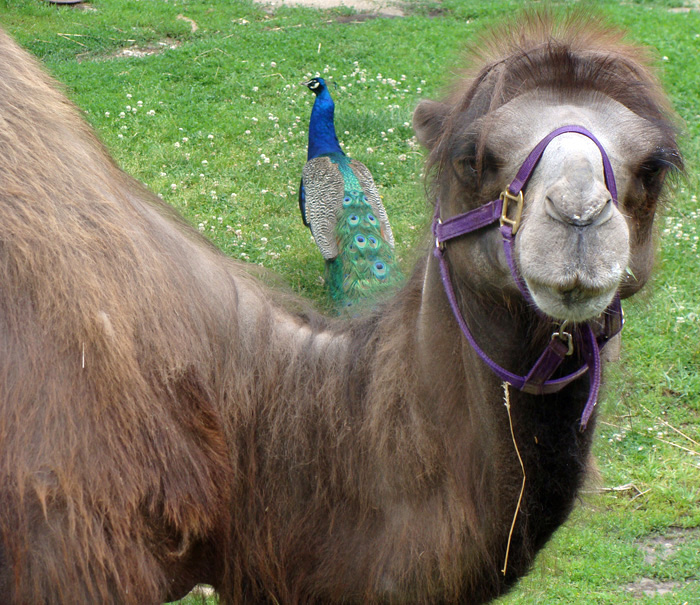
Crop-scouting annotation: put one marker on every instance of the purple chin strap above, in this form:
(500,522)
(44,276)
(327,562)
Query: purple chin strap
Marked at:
(538,380)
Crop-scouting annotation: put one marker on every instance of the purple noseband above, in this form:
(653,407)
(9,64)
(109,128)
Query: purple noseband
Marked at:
(538,379)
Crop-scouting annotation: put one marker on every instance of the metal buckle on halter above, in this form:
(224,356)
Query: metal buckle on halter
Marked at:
(565,337)
(438,244)
(507,196)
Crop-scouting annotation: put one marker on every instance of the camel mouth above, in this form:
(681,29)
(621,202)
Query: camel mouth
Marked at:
(576,304)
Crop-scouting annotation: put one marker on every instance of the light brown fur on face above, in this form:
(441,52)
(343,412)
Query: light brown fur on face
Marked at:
(166,420)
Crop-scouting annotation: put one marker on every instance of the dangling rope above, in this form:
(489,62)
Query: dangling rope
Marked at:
(506,401)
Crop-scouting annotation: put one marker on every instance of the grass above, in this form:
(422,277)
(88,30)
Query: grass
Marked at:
(214,120)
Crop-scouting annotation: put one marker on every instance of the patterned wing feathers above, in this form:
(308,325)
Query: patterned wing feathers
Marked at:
(324,191)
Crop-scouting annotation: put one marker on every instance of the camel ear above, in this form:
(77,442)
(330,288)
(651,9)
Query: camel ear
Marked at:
(428,120)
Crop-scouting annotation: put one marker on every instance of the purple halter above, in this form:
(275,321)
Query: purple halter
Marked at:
(538,379)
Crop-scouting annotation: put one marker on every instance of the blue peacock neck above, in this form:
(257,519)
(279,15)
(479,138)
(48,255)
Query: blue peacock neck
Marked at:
(322,137)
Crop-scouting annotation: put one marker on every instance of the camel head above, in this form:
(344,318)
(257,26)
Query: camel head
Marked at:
(575,246)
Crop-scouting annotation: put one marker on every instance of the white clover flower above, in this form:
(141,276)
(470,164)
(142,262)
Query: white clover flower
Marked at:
(151,112)
(106,114)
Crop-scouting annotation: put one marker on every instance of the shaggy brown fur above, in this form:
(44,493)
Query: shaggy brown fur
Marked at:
(164,421)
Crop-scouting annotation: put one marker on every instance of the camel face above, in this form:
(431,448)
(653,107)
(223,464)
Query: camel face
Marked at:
(573,248)
(576,246)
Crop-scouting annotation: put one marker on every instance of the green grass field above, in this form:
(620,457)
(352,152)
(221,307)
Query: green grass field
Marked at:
(214,120)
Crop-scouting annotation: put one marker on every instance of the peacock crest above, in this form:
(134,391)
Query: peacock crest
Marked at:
(340,203)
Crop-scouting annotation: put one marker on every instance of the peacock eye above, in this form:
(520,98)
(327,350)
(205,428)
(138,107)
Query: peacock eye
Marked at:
(360,240)
(354,219)
(346,200)
(371,219)
(379,269)
(372,241)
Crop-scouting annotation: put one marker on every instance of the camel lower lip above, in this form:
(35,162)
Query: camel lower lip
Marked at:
(576,304)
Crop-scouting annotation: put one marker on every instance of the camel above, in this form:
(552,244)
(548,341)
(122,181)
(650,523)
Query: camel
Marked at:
(166,420)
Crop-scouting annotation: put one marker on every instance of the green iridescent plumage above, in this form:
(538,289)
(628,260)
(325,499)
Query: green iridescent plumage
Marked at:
(341,205)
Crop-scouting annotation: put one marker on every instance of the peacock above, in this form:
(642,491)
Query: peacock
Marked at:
(340,203)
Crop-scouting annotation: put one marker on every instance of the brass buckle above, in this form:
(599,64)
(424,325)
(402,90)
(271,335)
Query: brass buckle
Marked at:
(507,196)
(565,337)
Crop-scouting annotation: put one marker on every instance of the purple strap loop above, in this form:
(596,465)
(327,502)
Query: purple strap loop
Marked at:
(474,219)
(538,380)
(533,158)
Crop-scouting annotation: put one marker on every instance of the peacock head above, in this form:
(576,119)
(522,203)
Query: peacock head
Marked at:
(316,85)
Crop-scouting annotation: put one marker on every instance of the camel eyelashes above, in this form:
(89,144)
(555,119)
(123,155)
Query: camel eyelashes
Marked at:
(655,167)
(470,162)
(662,159)
(490,162)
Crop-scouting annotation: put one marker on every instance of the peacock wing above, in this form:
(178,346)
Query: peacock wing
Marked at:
(364,176)
(324,190)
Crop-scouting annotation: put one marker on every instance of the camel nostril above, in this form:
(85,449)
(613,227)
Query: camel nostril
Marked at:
(551,209)
(605,213)
(594,214)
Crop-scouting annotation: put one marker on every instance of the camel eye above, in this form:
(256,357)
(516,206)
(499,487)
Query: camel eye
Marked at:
(490,162)
(659,162)
(652,171)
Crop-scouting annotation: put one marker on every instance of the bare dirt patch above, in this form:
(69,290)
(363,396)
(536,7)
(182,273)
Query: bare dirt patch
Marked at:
(650,588)
(155,48)
(657,549)
(383,7)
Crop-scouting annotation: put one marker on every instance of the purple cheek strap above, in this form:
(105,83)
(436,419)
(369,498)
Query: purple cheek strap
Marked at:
(538,380)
